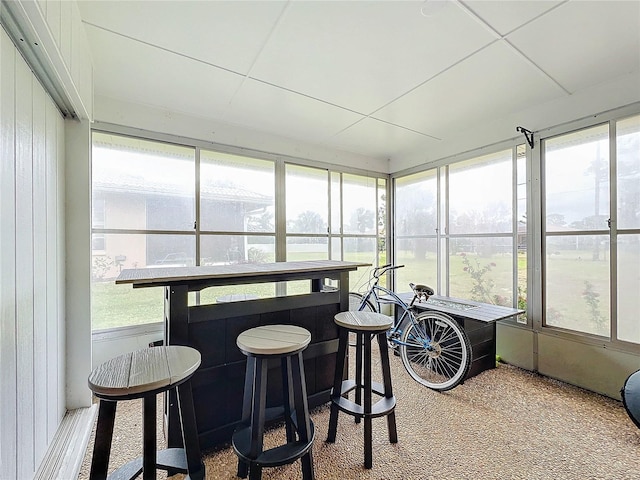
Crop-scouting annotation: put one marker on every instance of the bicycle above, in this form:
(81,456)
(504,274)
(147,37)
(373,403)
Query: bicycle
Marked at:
(434,349)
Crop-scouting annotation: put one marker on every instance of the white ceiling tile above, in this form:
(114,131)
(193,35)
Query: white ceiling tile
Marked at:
(584,43)
(309,72)
(139,73)
(380,139)
(362,55)
(494,82)
(229,34)
(275,110)
(507,16)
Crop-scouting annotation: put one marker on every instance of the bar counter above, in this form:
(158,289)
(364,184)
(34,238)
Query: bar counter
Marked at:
(212,329)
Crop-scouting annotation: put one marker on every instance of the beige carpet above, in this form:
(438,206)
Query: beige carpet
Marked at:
(503,424)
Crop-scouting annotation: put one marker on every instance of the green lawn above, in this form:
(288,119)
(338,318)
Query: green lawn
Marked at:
(577,295)
(121,305)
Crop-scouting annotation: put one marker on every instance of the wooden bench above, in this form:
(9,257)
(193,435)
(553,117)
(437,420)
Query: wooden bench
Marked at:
(478,321)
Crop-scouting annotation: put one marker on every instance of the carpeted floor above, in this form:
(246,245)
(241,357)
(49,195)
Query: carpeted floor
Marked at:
(503,424)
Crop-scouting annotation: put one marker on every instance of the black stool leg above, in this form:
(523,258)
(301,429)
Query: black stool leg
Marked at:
(388,389)
(337,383)
(243,468)
(359,385)
(195,466)
(368,428)
(287,397)
(102,443)
(149,437)
(258,416)
(302,414)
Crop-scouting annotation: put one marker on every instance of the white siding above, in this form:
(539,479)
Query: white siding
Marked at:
(24,270)
(39,234)
(8,391)
(31,267)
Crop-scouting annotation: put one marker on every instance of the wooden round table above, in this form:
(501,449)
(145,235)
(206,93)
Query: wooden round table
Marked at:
(143,374)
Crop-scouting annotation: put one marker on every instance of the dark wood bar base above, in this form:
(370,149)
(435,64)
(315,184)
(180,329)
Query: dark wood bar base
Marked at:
(477,319)
(212,330)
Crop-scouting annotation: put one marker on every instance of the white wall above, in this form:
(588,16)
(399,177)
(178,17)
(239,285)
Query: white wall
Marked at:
(78,262)
(45,355)
(32,300)
(117,112)
(583,103)
(586,364)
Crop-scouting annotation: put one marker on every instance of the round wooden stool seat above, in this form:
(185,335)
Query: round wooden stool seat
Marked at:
(143,374)
(261,345)
(136,374)
(273,340)
(364,321)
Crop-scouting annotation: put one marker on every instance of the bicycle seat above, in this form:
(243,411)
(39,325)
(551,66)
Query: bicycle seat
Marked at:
(421,292)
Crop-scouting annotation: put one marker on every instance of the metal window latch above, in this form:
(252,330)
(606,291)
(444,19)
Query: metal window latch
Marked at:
(609,222)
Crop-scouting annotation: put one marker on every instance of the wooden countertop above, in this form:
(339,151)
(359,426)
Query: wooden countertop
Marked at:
(483,312)
(239,273)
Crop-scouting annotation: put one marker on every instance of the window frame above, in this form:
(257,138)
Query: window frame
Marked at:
(534,231)
(279,234)
(442,234)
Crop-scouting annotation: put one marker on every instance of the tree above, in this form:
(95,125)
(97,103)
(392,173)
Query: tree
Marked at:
(362,220)
(556,220)
(309,222)
(261,223)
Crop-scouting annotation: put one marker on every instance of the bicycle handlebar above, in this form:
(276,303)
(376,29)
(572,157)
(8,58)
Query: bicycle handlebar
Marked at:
(378,271)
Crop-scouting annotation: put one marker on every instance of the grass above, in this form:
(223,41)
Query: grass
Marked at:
(115,306)
(577,294)
(567,305)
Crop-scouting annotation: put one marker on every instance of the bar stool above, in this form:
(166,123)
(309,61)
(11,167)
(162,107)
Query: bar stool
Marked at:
(261,344)
(365,325)
(144,374)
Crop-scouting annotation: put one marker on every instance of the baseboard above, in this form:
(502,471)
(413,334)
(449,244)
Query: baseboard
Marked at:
(65,455)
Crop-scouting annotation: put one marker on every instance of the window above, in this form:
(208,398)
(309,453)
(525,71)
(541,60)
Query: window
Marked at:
(97,214)
(237,209)
(576,214)
(416,228)
(158,204)
(628,228)
(335,215)
(480,229)
(455,228)
(307,213)
(364,214)
(143,215)
(522,231)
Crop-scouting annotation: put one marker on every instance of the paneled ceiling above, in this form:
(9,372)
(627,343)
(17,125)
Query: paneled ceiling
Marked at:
(381,79)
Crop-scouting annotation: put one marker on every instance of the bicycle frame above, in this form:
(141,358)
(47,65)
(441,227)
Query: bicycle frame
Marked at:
(434,349)
(379,295)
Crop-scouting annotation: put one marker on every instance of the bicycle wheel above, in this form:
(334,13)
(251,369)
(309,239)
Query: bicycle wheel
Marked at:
(435,351)
(355,300)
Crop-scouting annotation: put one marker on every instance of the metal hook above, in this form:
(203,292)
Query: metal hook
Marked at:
(528,134)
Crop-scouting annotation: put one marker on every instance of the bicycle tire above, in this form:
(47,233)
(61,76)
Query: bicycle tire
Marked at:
(443,362)
(355,300)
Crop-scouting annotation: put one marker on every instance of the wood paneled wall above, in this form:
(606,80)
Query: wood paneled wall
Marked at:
(32,336)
